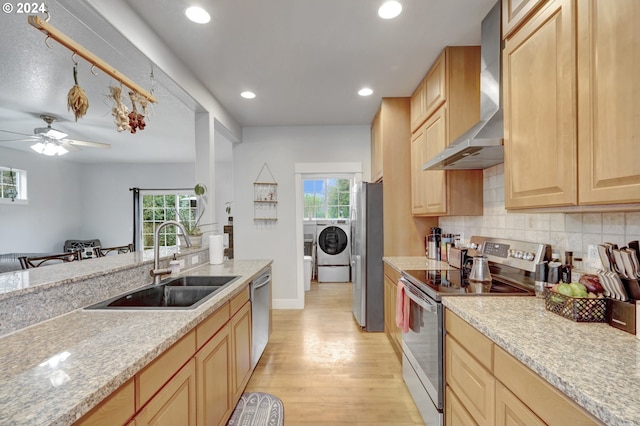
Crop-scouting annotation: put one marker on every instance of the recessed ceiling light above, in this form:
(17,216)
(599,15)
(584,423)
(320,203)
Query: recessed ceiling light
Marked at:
(390,9)
(248,95)
(365,91)
(197,15)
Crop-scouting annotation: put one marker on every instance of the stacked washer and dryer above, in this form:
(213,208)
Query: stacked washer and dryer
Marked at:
(333,251)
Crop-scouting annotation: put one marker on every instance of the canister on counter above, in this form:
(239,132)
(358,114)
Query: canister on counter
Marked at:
(542,270)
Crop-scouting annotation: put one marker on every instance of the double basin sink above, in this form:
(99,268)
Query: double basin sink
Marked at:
(186,292)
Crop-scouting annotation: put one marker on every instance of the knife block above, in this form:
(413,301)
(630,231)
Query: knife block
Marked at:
(632,287)
(622,315)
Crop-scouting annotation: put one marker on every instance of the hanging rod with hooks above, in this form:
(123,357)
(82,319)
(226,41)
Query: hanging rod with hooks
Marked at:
(79,50)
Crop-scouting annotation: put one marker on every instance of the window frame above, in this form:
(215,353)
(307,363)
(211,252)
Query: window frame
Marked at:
(168,233)
(21,186)
(339,207)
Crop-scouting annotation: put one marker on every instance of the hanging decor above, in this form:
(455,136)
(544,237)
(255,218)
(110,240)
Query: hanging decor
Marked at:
(77,100)
(52,32)
(265,197)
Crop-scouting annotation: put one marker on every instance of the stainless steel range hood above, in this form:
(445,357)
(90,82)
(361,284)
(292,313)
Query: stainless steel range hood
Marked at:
(481,146)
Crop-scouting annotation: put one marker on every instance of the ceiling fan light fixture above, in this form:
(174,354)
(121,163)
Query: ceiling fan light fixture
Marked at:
(49,148)
(390,9)
(50,133)
(197,15)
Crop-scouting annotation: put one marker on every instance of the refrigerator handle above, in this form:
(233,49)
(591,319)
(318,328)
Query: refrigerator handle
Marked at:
(355,263)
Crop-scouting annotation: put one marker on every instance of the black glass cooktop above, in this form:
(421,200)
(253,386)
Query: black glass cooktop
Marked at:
(437,283)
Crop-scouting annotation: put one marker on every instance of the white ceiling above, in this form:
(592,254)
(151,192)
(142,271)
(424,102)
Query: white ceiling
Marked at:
(305,60)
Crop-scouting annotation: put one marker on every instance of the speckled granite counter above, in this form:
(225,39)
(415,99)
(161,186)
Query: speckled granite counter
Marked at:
(596,365)
(54,372)
(401,263)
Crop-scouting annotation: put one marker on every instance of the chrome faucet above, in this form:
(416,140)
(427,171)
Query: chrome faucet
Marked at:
(156,272)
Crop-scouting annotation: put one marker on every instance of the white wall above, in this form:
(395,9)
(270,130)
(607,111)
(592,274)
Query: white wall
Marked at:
(564,231)
(52,213)
(281,148)
(74,201)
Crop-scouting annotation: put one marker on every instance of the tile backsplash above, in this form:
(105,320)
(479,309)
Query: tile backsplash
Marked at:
(564,231)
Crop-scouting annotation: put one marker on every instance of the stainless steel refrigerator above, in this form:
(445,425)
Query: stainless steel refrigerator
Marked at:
(367,273)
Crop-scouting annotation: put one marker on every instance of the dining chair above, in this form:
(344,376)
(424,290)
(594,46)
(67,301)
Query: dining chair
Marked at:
(37,261)
(103,251)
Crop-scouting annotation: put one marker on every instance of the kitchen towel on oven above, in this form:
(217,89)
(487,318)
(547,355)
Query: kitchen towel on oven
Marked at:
(402,308)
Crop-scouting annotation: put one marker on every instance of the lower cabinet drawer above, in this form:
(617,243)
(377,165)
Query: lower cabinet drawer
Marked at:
(551,405)
(511,411)
(471,382)
(115,410)
(455,413)
(155,375)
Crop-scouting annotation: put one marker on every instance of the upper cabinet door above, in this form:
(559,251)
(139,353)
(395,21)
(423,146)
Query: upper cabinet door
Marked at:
(609,101)
(515,12)
(540,140)
(435,85)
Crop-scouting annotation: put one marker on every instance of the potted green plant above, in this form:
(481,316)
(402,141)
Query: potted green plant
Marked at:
(194,227)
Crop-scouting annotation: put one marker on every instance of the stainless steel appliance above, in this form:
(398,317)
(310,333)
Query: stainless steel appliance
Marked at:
(367,249)
(512,266)
(260,314)
(481,146)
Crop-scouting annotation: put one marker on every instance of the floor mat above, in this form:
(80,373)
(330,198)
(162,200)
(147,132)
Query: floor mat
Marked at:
(258,409)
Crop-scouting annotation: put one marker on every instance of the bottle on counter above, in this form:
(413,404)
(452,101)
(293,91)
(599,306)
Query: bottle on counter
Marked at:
(542,270)
(567,267)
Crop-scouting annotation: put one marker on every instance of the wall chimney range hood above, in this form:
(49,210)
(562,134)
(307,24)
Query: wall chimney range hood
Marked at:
(481,146)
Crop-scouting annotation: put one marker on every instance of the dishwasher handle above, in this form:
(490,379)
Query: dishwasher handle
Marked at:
(262,280)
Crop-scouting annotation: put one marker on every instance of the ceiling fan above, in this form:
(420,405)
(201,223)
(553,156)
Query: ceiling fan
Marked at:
(50,141)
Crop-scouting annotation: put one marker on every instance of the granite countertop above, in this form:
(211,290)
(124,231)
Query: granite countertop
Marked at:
(594,364)
(402,263)
(36,279)
(56,371)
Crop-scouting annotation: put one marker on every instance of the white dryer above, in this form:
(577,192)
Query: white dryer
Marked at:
(333,251)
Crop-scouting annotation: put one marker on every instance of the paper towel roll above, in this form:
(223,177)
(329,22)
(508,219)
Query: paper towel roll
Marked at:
(216,249)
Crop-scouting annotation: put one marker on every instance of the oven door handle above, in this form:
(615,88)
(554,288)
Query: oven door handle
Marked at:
(415,295)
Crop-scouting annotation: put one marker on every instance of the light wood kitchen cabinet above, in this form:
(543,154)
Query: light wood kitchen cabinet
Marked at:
(494,388)
(540,138)
(473,384)
(151,378)
(441,192)
(548,403)
(241,349)
(430,93)
(511,411)
(376,149)
(215,389)
(567,147)
(175,403)
(608,102)
(515,12)
(403,233)
(391,277)
(456,414)
(451,105)
(117,409)
(198,380)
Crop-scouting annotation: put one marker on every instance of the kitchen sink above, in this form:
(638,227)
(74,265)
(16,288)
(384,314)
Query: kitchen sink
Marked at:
(186,292)
(200,281)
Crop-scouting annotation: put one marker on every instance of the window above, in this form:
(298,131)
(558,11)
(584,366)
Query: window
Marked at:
(13,185)
(157,208)
(326,198)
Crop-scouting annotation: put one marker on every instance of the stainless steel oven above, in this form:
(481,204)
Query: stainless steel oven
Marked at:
(423,354)
(512,265)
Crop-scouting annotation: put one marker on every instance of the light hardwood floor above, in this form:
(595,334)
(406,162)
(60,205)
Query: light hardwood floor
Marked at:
(329,372)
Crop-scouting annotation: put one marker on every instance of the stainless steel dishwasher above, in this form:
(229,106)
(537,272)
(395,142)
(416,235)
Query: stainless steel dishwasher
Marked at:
(260,314)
